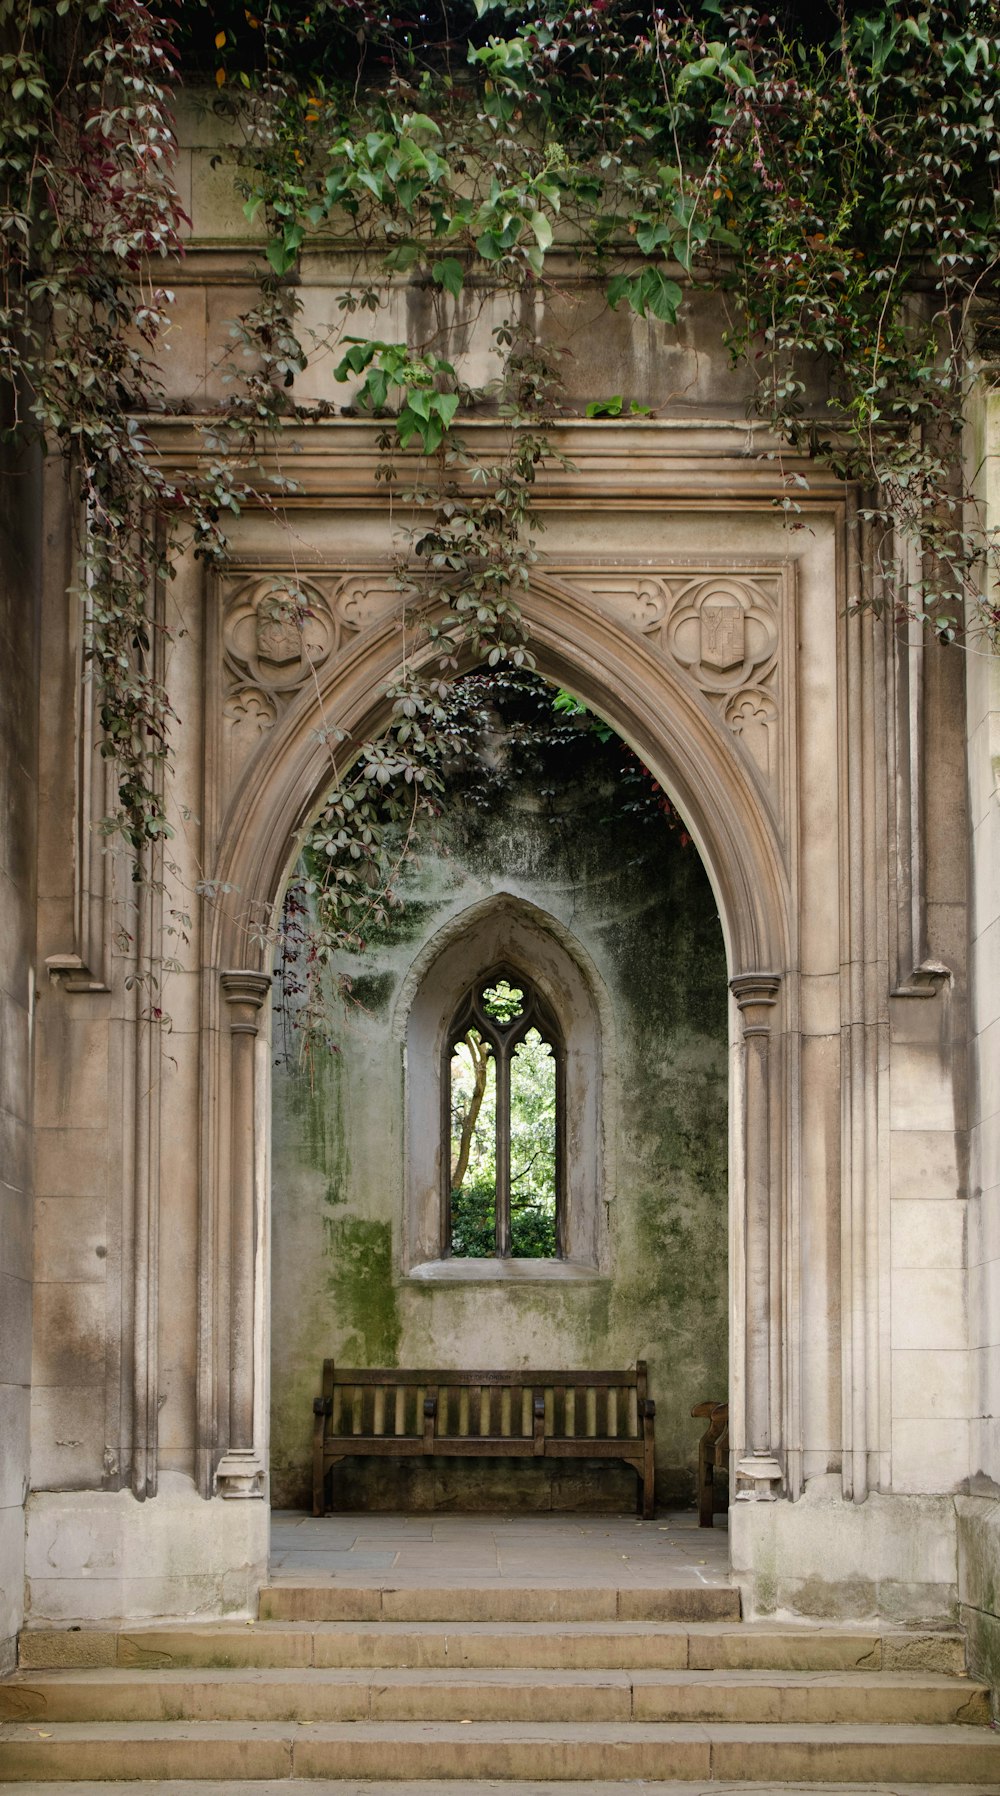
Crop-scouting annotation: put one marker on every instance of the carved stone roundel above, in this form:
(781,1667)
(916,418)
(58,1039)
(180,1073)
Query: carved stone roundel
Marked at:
(273,639)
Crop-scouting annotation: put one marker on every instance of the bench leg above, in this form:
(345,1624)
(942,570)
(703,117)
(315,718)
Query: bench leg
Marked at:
(706,1491)
(647,1483)
(319,1429)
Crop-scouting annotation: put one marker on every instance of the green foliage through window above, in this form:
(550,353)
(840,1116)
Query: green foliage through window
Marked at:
(504,1102)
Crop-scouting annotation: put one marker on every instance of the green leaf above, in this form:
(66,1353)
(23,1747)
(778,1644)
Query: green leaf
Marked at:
(649,291)
(606,408)
(407,191)
(375,392)
(403,257)
(618,289)
(651,235)
(542,229)
(280,258)
(696,71)
(446,405)
(356,360)
(419,121)
(488,246)
(449,274)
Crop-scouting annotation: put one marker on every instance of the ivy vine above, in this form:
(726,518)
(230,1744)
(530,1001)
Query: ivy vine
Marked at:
(832,171)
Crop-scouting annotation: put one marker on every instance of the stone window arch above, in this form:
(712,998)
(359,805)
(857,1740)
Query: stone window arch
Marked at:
(507,938)
(504,1045)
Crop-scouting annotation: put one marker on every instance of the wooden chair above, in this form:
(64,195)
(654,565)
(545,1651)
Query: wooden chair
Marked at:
(713,1457)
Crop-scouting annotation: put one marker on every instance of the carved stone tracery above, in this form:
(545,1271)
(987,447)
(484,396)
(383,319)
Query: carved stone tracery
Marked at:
(724,629)
(276,634)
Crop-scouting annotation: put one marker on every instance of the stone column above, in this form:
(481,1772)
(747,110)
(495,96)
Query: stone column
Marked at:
(240,1470)
(758,1473)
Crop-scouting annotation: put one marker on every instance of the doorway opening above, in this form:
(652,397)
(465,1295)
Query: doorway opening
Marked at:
(514,1151)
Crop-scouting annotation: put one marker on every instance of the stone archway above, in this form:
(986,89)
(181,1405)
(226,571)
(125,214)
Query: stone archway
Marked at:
(789,727)
(695,742)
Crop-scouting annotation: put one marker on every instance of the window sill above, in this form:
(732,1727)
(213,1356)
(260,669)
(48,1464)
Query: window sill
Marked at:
(507,1272)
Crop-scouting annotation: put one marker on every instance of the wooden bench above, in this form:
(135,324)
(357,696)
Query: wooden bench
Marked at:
(385,1412)
(713,1456)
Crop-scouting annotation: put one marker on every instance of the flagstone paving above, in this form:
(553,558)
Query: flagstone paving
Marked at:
(550,1550)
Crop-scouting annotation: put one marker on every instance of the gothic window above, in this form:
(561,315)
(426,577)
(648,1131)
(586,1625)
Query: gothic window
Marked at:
(504,1089)
(534,1184)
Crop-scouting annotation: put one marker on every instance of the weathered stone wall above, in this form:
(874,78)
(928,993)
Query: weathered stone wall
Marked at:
(820,776)
(637,901)
(979,1513)
(19,578)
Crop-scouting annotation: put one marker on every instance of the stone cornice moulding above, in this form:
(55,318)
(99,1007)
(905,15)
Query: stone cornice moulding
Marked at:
(711,463)
(925,981)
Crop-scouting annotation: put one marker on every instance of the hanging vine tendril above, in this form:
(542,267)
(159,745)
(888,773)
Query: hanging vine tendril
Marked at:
(832,171)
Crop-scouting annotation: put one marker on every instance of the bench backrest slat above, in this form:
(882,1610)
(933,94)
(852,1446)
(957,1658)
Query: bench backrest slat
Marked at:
(386,1402)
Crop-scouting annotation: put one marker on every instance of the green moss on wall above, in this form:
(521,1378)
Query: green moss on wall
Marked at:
(360,1281)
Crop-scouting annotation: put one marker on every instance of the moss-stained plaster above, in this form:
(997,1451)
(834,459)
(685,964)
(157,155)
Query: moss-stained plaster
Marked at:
(639,903)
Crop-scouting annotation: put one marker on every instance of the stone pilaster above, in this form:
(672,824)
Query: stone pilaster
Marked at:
(240,1470)
(759,1473)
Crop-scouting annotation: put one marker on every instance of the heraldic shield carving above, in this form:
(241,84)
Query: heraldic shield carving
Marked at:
(276,633)
(723,634)
(724,630)
(273,635)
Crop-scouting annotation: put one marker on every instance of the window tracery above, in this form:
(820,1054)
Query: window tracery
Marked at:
(504,1079)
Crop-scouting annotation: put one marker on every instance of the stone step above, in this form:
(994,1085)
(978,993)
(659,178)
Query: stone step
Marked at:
(621,1646)
(492,1695)
(322,1786)
(562,1752)
(485,1601)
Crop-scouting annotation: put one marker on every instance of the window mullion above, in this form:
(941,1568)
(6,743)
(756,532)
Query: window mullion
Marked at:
(503,1151)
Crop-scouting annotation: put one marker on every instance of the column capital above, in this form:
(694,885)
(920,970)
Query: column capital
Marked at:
(756,994)
(244,988)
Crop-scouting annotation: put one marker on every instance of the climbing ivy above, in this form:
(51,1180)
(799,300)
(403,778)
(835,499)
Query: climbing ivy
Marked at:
(832,171)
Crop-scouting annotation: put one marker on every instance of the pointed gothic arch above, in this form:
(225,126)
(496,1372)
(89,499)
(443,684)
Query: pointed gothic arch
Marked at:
(698,761)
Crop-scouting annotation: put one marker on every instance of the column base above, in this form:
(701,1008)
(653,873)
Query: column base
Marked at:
(239,1474)
(759,1479)
(100,1557)
(825,1559)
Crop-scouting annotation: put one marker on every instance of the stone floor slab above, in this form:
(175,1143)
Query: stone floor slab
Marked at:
(670,1551)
